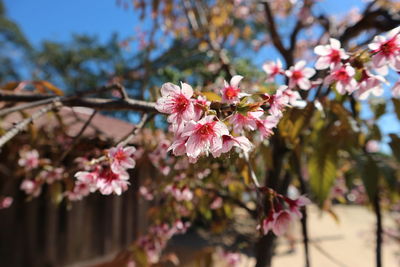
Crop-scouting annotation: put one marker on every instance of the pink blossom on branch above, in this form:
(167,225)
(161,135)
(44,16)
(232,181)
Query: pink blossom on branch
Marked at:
(29,159)
(299,75)
(228,142)
(31,187)
(343,77)
(5,202)
(204,136)
(231,93)
(370,84)
(273,69)
(177,102)
(329,55)
(265,126)
(386,51)
(282,220)
(396,89)
(248,121)
(122,158)
(109,182)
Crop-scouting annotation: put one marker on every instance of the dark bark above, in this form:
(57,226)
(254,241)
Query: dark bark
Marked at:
(379,230)
(265,250)
(265,245)
(304,231)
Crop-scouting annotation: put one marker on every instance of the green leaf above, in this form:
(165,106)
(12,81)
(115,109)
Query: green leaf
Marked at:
(322,167)
(395,146)
(369,175)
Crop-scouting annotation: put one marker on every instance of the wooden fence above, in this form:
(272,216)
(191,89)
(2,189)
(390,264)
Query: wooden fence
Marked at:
(40,234)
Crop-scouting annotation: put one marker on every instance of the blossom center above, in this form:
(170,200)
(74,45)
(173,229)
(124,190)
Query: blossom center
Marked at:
(297,75)
(389,48)
(231,93)
(181,103)
(342,75)
(108,175)
(335,56)
(206,129)
(120,155)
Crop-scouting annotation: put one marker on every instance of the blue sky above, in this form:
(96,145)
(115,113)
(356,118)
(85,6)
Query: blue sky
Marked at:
(57,20)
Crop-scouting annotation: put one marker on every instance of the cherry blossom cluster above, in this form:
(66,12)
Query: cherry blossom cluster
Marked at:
(158,235)
(108,175)
(46,173)
(229,258)
(179,193)
(5,202)
(349,73)
(349,76)
(282,213)
(199,131)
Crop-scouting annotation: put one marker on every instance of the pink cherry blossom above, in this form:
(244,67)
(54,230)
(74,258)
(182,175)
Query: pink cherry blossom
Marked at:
(272,69)
(88,178)
(299,75)
(180,194)
(204,136)
(144,192)
(370,84)
(109,182)
(5,202)
(372,146)
(281,99)
(51,174)
(267,223)
(229,141)
(396,89)
(29,159)
(177,102)
(282,220)
(231,93)
(80,190)
(295,205)
(31,187)
(232,259)
(216,203)
(343,77)
(122,158)
(266,125)
(200,104)
(248,121)
(386,51)
(178,146)
(329,55)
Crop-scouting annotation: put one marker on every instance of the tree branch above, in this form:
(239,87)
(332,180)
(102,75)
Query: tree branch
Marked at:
(20,126)
(276,39)
(95,103)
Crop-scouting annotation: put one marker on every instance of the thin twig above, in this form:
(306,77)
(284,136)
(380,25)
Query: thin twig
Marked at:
(20,126)
(276,39)
(77,137)
(42,102)
(251,170)
(95,103)
(138,127)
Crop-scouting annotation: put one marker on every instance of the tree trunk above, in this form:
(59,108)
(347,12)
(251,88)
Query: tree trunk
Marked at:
(264,250)
(379,230)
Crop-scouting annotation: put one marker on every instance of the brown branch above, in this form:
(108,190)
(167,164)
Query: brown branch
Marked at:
(380,20)
(95,103)
(20,126)
(276,39)
(77,137)
(137,128)
(42,102)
